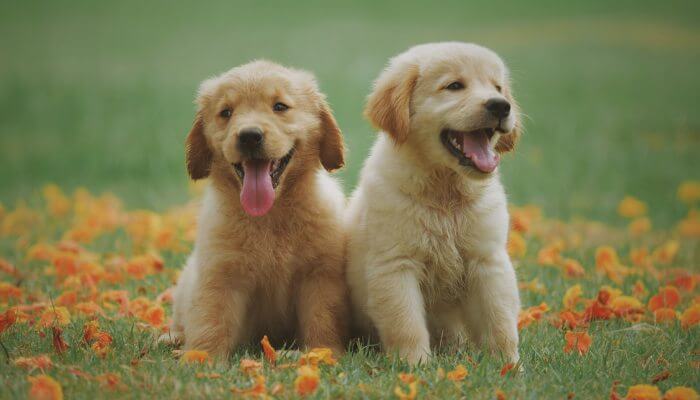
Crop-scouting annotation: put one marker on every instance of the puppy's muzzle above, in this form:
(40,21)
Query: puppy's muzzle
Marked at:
(250,141)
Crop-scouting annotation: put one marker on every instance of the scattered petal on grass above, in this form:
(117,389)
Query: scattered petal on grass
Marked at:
(205,375)
(8,292)
(410,394)
(268,350)
(689,192)
(579,341)
(194,357)
(256,389)
(517,247)
(318,355)
(661,376)
(681,393)
(500,394)
(668,297)
(666,253)
(531,314)
(110,381)
(54,316)
(664,315)
(626,305)
(307,380)
(7,319)
(639,226)
(534,286)
(44,387)
(458,374)
(690,225)
(407,378)
(643,392)
(691,316)
(42,362)
(573,268)
(250,367)
(59,344)
(507,368)
(631,207)
(572,297)
(154,315)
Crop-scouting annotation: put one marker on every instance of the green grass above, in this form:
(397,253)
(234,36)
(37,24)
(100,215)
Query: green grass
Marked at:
(100,95)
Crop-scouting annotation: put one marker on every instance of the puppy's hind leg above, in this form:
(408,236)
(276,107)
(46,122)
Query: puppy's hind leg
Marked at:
(395,305)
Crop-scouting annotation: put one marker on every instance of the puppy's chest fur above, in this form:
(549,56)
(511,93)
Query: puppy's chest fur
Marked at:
(446,251)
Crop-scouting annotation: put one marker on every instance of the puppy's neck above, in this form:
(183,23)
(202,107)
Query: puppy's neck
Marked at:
(436,185)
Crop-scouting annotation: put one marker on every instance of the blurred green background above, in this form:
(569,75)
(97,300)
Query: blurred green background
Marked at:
(99,94)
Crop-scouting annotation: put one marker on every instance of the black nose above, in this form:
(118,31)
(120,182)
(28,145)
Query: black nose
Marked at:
(250,139)
(499,108)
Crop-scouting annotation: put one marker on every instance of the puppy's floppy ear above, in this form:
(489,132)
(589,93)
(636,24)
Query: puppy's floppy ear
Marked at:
(199,155)
(507,142)
(388,106)
(332,149)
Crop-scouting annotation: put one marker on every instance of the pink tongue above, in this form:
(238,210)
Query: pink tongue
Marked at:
(257,195)
(475,146)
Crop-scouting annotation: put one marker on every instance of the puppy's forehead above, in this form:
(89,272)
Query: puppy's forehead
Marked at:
(256,80)
(457,58)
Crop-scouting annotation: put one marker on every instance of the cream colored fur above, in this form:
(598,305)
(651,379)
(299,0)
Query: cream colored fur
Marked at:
(427,236)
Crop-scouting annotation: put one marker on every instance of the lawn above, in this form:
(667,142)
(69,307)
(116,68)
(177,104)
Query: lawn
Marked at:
(99,96)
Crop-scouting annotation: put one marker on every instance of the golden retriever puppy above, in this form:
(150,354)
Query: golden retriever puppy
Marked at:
(428,222)
(269,251)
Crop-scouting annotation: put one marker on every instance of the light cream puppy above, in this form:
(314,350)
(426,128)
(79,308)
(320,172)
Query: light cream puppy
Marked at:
(428,222)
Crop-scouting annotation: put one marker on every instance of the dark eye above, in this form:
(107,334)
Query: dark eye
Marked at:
(499,88)
(226,113)
(456,85)
(279,107)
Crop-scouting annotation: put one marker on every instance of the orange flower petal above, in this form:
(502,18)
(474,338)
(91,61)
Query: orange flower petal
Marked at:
(42,362)
(681,393)
(410,395)
(250,367)
(664,315)
(44,387)
(572,297)
(580,341)
(458,374)
(307,381)
(668,297)
(631,207)
(690,316)
(194,356)
(643,392)
(268,350)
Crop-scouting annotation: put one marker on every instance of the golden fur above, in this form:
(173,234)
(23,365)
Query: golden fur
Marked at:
(427,260)
(281,274)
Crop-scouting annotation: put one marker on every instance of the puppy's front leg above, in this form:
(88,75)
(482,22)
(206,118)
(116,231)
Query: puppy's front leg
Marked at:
(395,305)
(214,322)
(323,308)
(492,306)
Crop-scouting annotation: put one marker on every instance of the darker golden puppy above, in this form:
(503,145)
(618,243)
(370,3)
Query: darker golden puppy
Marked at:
(268,257)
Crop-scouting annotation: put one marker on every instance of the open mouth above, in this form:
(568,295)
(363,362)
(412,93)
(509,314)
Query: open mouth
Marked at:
(260,178)
(275,167)
(472,149)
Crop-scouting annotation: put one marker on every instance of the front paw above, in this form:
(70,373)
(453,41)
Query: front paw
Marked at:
(415,356)
(171,338)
